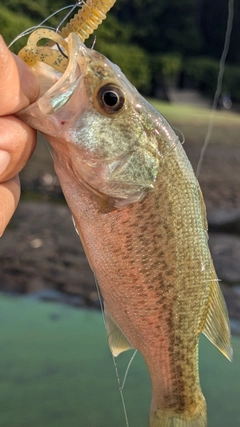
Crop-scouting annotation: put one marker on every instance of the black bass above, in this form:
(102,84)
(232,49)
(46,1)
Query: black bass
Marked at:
(140,214)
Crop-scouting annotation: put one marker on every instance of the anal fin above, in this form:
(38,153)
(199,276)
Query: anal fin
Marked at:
(216,326)
(116,339)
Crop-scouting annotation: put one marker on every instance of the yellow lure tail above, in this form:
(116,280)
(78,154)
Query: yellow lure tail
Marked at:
(84,23)
(32,53)
(88,18)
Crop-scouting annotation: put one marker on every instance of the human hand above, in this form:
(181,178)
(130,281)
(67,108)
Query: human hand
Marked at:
(18,88)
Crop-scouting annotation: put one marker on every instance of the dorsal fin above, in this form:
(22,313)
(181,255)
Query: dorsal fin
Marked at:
(216,326)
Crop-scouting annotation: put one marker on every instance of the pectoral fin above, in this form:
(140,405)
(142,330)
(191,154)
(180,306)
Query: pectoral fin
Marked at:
(116,339)
(216,327)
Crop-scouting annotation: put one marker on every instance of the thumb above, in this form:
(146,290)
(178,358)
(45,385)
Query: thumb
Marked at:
(18,84)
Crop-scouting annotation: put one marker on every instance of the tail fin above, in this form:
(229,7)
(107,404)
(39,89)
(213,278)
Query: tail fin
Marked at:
(164,419)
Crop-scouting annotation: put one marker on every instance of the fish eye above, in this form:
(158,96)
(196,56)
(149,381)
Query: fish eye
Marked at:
(111,98)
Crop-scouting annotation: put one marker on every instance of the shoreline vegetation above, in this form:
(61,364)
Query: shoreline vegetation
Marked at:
(174,44)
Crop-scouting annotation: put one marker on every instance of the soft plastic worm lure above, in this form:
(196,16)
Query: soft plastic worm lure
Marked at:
(88,18)
(84,23)
(33,53)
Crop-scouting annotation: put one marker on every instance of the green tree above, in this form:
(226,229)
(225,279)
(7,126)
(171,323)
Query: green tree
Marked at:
(10,27)
(152,40)
(161,26)
(213,15)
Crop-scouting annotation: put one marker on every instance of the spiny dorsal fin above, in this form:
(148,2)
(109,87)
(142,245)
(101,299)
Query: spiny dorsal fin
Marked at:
(216,326)
(116,339)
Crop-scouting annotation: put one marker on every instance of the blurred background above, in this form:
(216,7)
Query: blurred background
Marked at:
(55,366)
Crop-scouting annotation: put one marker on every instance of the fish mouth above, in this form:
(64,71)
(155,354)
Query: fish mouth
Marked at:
(62,96)
(60,93)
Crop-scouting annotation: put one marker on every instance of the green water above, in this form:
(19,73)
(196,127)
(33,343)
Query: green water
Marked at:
(56,371)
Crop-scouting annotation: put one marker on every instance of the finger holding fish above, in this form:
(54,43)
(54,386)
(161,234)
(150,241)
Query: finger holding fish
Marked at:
(19,85)
(18,88)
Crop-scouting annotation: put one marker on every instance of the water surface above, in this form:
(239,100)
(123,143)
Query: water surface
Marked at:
(56,371)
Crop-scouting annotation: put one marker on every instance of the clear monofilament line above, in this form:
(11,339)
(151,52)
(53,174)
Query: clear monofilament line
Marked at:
(127,370)
(77,4)
(35,27)
(219,85)
(120,386)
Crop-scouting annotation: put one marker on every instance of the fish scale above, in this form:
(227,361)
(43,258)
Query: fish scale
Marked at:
(124,239)
(139,212)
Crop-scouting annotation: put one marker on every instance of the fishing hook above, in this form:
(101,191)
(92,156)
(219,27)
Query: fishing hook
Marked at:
(78,3)
(61,51)
(93,42)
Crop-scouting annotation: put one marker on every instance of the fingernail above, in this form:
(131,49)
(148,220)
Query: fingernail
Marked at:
(4,161)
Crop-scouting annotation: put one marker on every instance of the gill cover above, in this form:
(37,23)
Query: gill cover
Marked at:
(89,106)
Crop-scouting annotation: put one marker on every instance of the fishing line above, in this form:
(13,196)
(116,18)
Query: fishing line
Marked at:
(57,29)
(31,29)
(120,385)
(93,42)
(128,367)
(48,147)
(180,134)
(219,84)
(78,3)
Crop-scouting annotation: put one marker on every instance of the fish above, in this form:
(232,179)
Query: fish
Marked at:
(139,211)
